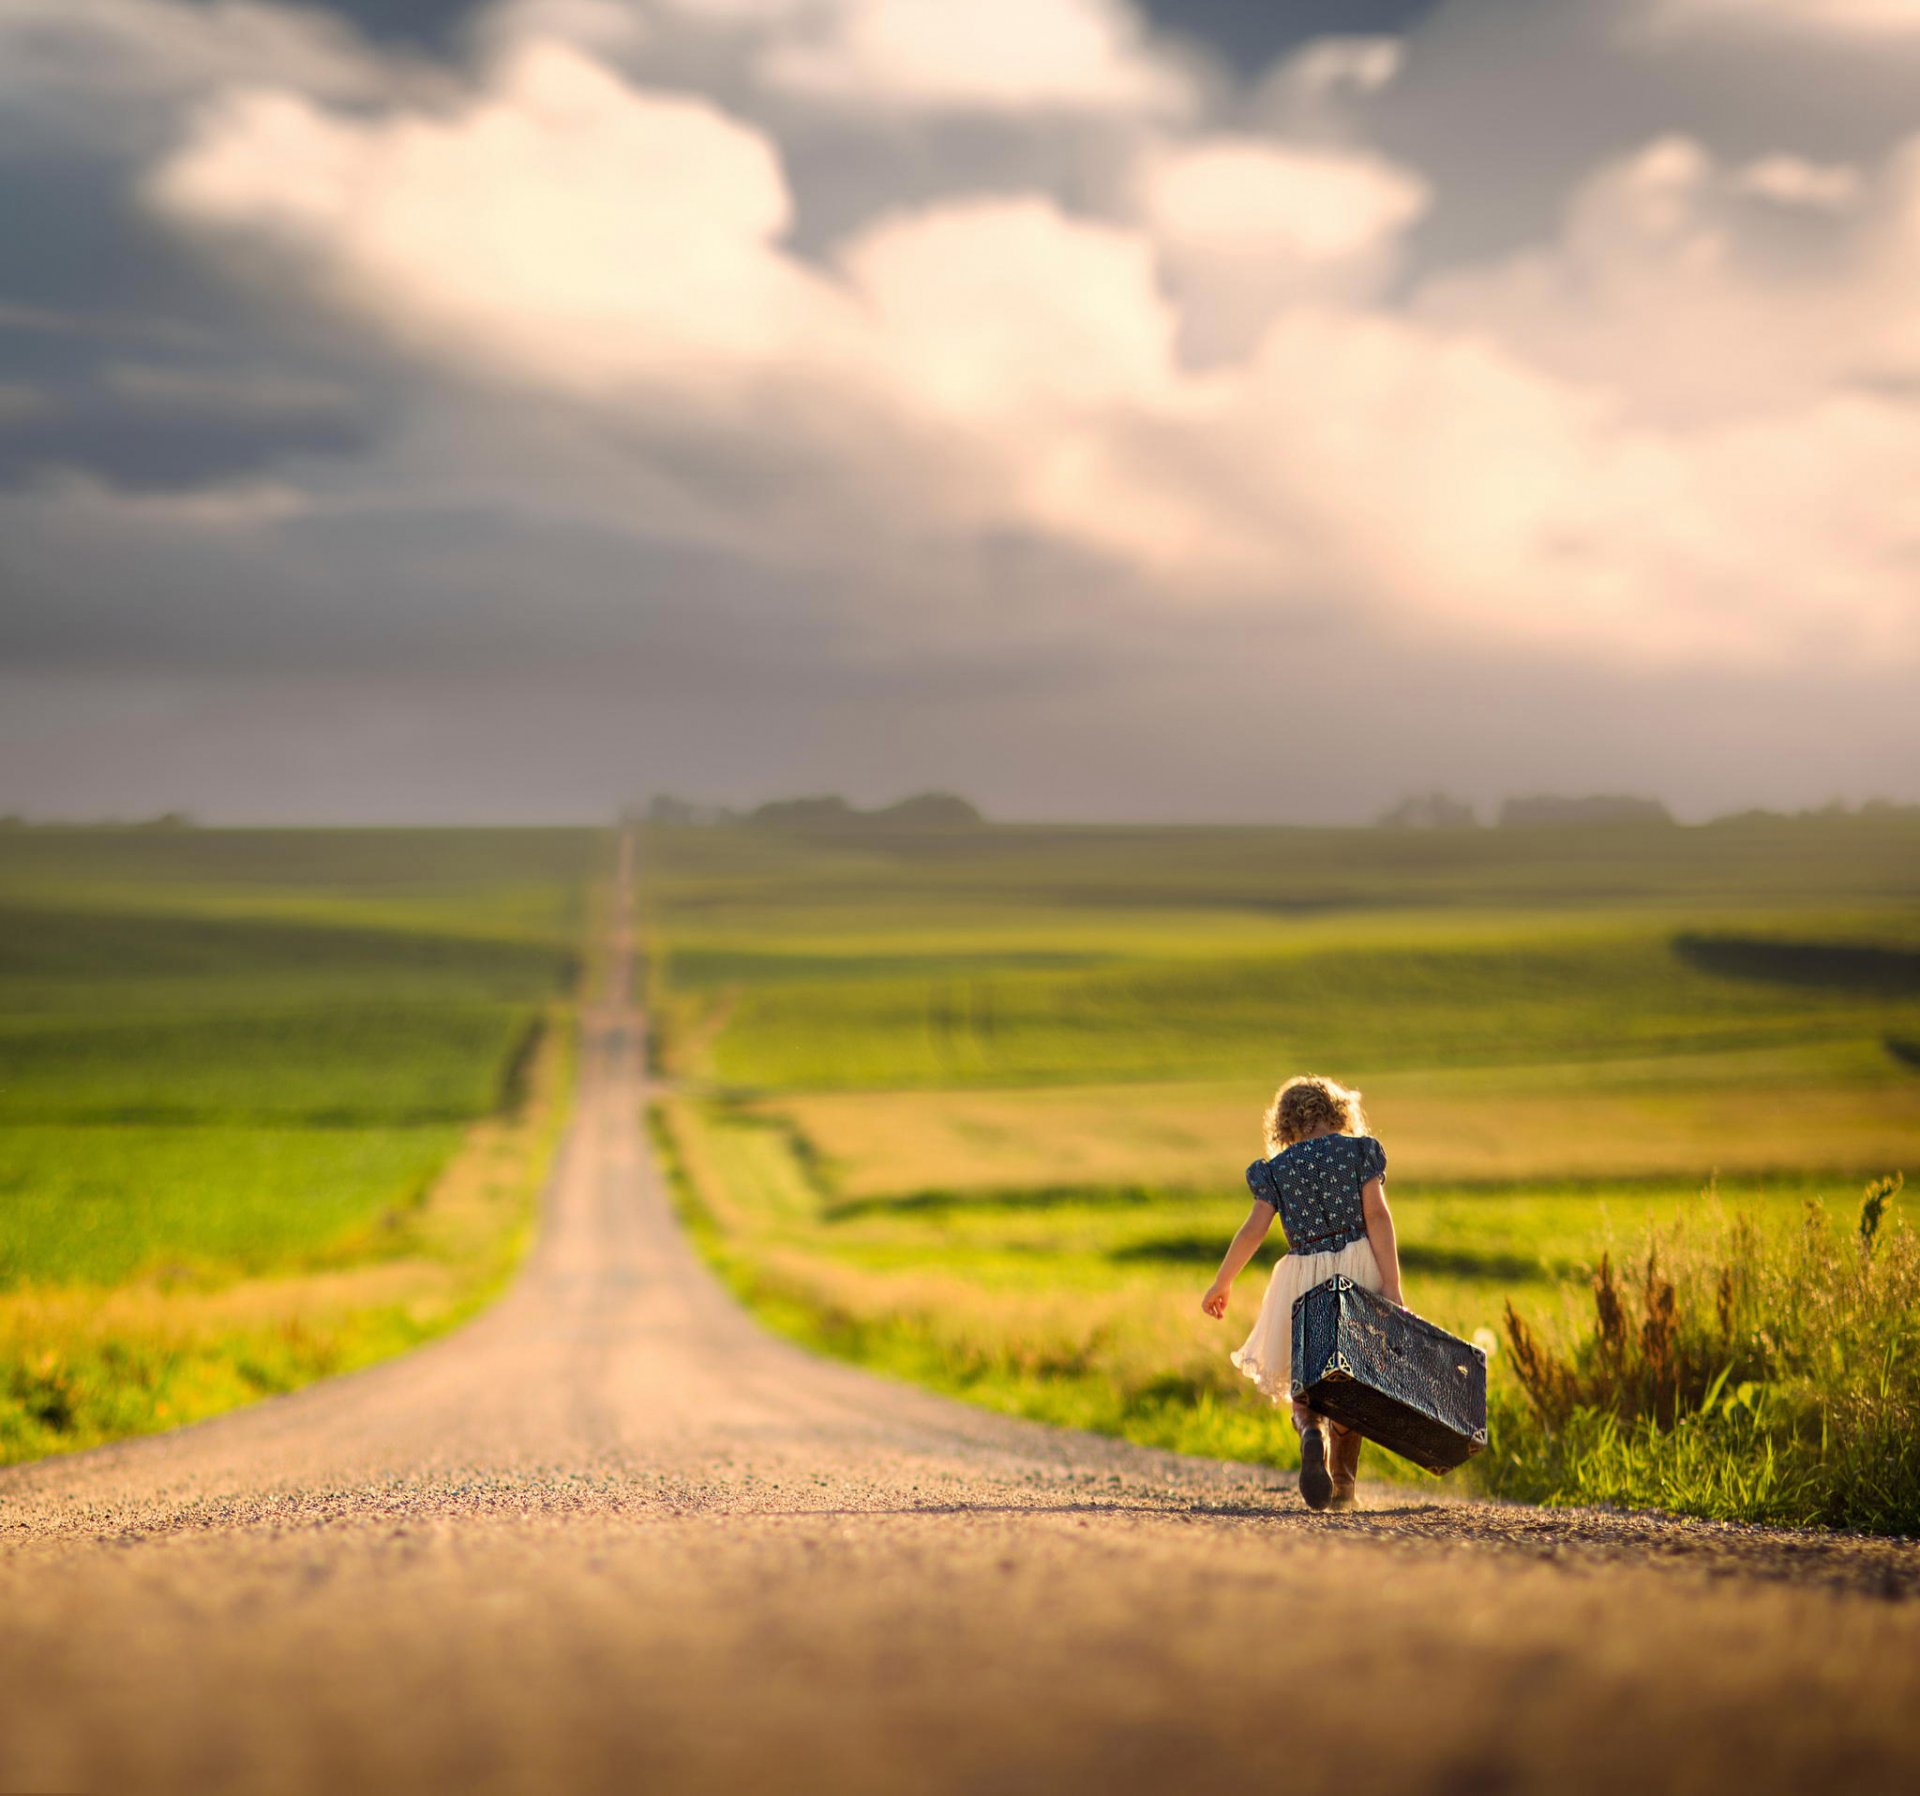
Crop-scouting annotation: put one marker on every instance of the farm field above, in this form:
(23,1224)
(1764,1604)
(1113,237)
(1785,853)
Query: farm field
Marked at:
(273,1103)
(974,1107)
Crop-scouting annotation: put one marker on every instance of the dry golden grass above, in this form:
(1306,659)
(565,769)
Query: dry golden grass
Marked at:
(1608,1120)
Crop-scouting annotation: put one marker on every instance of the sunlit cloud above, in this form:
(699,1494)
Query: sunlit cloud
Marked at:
(1247,200)
(561,222)
(1794,181)
(1673,285)
(1645,440)
(1245,226)
(985,56)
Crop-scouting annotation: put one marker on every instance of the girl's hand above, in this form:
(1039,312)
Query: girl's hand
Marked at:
(1215,1301)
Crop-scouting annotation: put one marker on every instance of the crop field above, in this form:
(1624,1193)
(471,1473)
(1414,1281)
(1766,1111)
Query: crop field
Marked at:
(272,1102)
(974,1107)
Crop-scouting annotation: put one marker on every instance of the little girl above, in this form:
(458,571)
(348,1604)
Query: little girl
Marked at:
(1325,1178)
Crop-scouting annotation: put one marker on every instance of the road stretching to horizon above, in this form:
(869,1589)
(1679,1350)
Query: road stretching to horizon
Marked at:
(614,1537)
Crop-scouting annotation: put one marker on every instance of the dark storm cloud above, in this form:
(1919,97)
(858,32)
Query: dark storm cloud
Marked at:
(87,276)
(369,591)
(158,427)
(429,24)
(92,286)
(1251,34)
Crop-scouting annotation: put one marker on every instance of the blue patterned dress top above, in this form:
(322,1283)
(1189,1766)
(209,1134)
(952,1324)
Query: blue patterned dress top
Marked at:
(1315,1185)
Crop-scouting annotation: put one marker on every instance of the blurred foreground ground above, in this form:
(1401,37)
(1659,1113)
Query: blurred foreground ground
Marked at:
(613,1537)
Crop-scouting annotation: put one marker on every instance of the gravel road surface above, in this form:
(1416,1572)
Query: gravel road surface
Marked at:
(613,1537)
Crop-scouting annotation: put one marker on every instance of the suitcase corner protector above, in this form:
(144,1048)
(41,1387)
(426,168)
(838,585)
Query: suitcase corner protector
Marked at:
(1338,1368)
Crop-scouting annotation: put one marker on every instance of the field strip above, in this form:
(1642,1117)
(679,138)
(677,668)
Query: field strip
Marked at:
(1441,1129)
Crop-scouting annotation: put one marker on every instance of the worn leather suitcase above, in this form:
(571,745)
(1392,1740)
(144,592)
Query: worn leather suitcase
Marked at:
(1417,1390)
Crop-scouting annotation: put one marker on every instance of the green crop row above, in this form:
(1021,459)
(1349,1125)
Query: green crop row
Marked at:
(1381,1009)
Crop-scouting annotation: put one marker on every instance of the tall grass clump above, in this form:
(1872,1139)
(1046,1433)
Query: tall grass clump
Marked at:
(1736,1374)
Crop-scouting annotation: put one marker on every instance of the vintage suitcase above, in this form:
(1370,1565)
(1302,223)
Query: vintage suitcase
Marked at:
(1414,1388)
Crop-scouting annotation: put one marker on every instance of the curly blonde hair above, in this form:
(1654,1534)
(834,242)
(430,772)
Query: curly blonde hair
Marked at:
(1311,1105)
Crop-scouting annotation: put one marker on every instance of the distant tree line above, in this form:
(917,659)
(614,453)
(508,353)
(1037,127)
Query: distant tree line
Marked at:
(1440,810)
(926,812)
(830,814)
(165,822)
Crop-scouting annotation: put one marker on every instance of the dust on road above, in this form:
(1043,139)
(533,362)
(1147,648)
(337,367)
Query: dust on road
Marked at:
(613,1537)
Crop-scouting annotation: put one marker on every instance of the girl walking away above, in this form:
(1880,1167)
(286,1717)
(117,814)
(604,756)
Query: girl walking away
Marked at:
(1325,1178)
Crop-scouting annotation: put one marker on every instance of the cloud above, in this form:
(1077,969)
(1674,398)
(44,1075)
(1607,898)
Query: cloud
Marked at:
(51,321)
(609,28)
(1674,285)
(19,401)
(1245,198)
(87,505)
(561,224)
(1342,65)
(94,68)
(1318,92)
(227,392)
(992,56)
(1869,21)
(742,12)
(1645,440)
(1794,181)
(1246,226)
(1001,307)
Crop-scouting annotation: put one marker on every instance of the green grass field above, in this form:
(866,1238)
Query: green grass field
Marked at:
(260,1080)
(974,1107)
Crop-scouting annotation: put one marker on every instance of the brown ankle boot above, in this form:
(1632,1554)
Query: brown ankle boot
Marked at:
(1344,1463)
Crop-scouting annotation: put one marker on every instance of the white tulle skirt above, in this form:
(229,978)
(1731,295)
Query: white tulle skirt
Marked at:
(1267,1354)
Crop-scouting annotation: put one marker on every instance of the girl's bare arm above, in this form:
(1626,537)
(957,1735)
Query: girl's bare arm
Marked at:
(1386,1250)
(1239,1251)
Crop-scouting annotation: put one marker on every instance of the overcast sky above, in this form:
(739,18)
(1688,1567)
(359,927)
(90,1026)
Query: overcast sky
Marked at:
(1203,409)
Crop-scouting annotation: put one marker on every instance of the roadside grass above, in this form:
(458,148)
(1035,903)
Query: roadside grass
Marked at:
(258,1130)
(1727,1373)
(973,1111)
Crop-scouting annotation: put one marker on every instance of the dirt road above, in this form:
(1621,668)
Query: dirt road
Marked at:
(612,1537)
